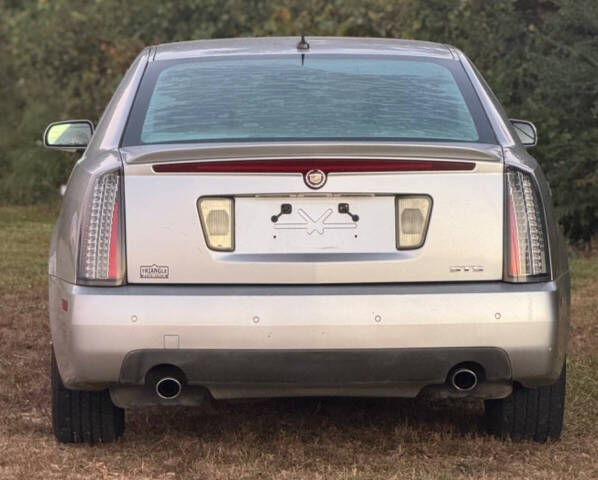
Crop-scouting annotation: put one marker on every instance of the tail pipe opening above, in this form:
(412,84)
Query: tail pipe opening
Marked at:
(168,388)
(166,381)
(464,379)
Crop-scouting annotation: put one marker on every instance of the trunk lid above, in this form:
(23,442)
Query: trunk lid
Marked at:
(317,242)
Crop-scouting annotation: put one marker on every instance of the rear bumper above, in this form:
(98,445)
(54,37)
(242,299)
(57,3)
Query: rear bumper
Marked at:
(354,339)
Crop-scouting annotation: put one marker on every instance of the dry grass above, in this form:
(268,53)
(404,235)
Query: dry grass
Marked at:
(300,438)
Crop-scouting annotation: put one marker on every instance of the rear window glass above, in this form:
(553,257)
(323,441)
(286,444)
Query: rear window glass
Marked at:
(322,97)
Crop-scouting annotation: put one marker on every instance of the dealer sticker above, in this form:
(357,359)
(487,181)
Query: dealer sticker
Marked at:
(153,271)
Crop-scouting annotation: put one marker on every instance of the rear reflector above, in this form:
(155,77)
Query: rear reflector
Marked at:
(305,165)
(413,215)
(101,244)
(527,256)
(216,215)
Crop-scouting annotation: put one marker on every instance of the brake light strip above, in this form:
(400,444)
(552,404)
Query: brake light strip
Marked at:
(305,165)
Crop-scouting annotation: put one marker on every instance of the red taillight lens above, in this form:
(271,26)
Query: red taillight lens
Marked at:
(513,264)
(113,258)
(101,245)
(527,246)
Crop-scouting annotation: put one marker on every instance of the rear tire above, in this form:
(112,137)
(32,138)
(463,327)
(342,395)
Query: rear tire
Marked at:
(529,413)
(80,416)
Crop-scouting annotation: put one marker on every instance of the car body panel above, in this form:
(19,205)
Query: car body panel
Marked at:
(166,230)
(102,325)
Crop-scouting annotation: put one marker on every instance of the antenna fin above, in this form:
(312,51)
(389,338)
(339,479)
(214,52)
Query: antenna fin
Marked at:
(303,45)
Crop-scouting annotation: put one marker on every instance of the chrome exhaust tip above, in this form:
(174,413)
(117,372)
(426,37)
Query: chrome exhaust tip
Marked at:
(464,379)
(168,388)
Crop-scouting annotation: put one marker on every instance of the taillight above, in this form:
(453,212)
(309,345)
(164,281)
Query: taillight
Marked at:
(101,242)
(526,258)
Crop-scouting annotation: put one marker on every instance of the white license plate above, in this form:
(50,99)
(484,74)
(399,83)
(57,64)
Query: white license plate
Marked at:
(315,224)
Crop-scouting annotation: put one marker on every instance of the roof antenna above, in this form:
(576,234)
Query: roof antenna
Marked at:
(303,45)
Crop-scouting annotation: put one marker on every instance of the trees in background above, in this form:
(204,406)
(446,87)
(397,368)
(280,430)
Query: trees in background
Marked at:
(563,100)
(61,59)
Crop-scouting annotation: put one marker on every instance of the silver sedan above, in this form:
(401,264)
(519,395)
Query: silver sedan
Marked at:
(289,217)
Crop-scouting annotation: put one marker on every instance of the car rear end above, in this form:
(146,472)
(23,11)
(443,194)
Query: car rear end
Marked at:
(326,223)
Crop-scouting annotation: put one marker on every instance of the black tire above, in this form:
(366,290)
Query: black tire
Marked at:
(529,413)
(80,416)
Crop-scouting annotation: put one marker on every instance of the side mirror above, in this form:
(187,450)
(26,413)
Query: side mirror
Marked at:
(70,136)
(526,131)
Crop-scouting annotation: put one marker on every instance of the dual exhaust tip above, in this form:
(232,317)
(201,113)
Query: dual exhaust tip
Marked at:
(462,379)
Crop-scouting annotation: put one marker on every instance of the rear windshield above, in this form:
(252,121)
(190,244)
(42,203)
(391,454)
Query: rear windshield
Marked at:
(318,97)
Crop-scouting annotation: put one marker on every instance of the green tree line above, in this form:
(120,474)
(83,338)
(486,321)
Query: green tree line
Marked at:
(62,59)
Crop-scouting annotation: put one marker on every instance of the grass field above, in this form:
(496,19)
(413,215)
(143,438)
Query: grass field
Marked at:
(282,439)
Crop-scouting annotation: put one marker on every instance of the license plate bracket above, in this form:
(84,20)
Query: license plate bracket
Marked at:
(344,224)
